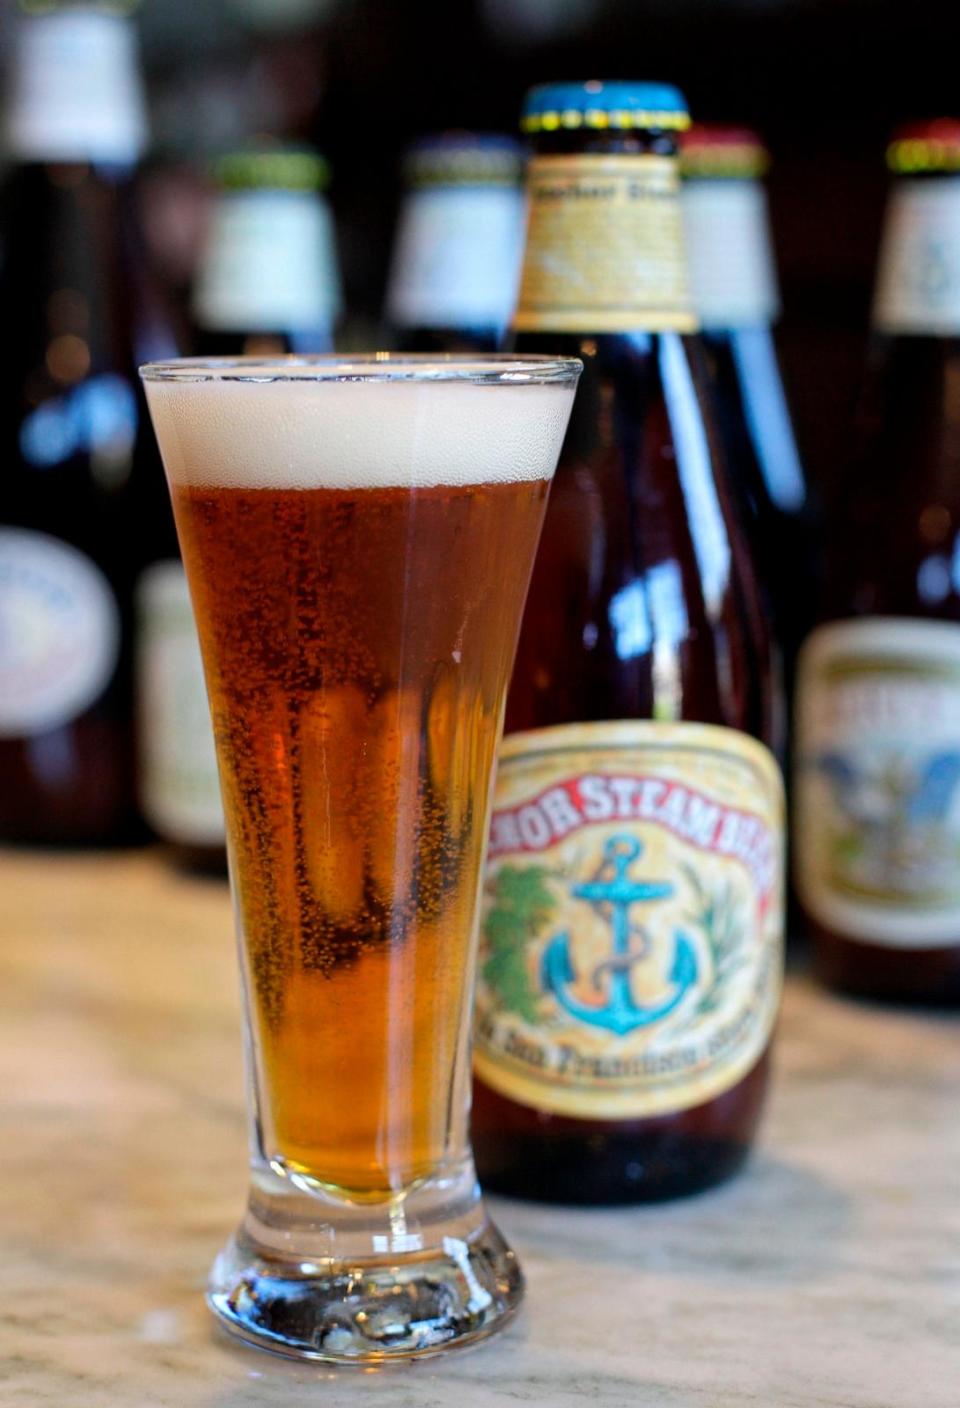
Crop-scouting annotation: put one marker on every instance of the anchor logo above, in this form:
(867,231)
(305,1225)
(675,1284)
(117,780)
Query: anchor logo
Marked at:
(620,1014)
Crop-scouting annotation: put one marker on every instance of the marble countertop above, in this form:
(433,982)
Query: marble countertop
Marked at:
(826,1276)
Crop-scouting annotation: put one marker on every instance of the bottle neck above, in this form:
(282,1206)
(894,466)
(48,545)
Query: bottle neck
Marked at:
(76,94)
(456,260)
(732,271)
(918,286)
(270,265)
(605,243)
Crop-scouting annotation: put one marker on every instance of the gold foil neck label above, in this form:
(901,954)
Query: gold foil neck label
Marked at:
(605,247)
(632,926)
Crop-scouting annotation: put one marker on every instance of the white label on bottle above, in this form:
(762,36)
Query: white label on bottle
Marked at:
(456,263)
(270,264)
(180,789)
(732,271)
(918,289)
(59,632)
(877,784)
(76,92)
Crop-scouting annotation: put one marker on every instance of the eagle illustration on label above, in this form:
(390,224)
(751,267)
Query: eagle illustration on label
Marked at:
(631,929)
(877,797)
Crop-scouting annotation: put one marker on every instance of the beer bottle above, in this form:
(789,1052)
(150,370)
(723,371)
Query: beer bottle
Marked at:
(877,764)
(269,279)
(734,282)
(73,432)
(268,283)
(631,930)
(456,257)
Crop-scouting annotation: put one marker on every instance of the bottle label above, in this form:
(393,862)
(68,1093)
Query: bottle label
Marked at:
(180,788)
(631,930)
(76,92)
(878,780)
(918,289)
(59,633)
(605,249)
(270,265)
(456,263)
(732,272)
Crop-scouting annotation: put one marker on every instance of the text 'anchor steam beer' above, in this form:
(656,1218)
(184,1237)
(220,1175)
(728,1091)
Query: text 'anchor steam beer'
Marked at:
(631,929)
(358,537)
(877,856)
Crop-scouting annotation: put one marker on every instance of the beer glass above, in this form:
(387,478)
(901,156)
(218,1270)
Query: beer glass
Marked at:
(358,537)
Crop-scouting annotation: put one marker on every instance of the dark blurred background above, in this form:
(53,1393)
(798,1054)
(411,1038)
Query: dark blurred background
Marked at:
(824,81)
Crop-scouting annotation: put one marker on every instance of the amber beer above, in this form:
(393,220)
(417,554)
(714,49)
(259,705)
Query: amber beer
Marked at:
(357,628)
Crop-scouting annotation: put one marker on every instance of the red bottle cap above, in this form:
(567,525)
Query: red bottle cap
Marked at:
(920,147)
(712,149)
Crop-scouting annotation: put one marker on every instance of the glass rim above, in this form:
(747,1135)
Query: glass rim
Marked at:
(481,369)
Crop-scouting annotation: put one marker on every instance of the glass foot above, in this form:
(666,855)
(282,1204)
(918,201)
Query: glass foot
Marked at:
(369,1309)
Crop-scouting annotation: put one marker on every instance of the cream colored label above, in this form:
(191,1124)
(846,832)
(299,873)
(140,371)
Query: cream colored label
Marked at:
(179,783)
(730,251)
(59,633)
(75,93)
(270,265)
(456,261)
(632,927)
(877,810)
(605,249)
(918,289)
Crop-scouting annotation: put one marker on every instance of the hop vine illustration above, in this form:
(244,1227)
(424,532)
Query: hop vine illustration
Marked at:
(522,907)
(717,915)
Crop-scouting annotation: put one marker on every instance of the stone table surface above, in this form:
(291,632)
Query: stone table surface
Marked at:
(827,1274)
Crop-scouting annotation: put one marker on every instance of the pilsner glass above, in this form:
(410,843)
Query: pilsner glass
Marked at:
(358,537)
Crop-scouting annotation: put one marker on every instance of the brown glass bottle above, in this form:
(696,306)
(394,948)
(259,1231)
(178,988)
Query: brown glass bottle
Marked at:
(456,256)
(734,281)
(75,439)
(878,692)
(269,277)
(643,606)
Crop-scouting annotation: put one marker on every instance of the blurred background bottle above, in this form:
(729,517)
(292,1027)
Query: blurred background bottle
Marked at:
(734,282)
(76,447)
(878,706)
(629,972)
(269,279)
(458,245)
(268,283)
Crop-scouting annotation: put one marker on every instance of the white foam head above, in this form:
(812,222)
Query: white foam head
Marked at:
(305,431)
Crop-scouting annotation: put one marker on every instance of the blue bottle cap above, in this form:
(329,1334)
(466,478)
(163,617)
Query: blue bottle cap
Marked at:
(555,107)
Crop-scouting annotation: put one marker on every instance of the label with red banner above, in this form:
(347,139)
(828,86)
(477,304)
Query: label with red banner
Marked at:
(632,922)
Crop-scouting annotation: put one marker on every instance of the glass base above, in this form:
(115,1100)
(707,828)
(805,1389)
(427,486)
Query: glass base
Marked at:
(419,1284)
